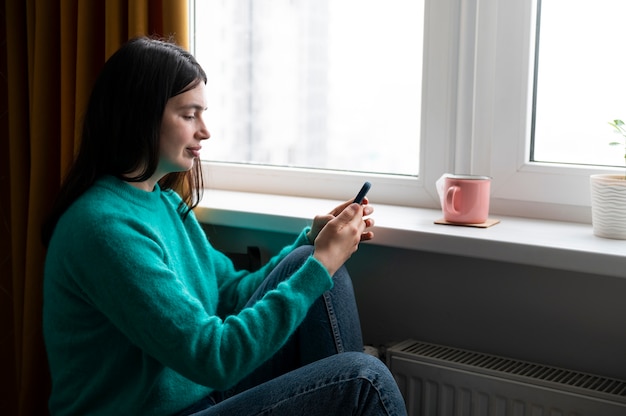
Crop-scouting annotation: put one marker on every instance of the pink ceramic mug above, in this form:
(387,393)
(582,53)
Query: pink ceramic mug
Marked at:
(466,199)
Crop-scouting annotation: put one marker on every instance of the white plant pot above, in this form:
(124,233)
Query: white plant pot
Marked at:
(608,206)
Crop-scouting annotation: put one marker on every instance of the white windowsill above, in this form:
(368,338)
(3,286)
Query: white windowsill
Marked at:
(559,245)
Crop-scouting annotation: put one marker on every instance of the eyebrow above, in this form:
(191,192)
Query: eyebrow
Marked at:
(197,107)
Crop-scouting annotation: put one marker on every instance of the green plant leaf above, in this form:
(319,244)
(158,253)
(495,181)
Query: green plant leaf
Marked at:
(618,125)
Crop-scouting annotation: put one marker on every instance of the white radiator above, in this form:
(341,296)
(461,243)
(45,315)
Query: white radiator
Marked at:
(444,381)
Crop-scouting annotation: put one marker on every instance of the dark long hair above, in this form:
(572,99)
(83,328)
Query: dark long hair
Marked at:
(123,119)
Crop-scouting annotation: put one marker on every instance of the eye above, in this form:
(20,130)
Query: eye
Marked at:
(188,117)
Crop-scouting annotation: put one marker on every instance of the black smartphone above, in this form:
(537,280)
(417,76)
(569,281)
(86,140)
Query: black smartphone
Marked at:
(364,189)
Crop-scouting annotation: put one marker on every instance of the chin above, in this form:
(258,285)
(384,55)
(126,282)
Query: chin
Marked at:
(179,165)
(187,166)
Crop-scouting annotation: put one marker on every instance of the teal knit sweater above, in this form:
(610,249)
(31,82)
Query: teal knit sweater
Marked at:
(143,316)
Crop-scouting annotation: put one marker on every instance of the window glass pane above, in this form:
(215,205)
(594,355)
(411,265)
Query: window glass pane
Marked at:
(580,81)
(331,84)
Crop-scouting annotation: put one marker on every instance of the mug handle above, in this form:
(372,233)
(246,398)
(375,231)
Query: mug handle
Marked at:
(450,199)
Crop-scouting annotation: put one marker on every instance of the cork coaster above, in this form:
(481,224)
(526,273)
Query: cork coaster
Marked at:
(490,222)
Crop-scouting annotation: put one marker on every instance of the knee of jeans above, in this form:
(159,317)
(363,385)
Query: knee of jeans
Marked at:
(342,278)
(301,254)
(378,375)
(364,365)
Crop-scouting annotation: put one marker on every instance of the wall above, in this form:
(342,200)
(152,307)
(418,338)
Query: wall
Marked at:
(555,317)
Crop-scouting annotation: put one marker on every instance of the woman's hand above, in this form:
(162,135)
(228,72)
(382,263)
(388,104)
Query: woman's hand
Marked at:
(337,235)
(321,220)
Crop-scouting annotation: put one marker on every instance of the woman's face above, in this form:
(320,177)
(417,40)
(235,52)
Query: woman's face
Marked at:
(182,131)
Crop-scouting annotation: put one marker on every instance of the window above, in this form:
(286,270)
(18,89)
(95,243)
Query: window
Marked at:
(313,83)
(477,86)
(320,88)
(579,82)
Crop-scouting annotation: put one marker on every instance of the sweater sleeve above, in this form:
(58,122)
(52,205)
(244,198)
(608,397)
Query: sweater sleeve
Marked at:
(236,288)
(131,283)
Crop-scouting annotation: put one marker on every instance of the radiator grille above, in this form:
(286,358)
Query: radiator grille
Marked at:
(477,361)
(436,379)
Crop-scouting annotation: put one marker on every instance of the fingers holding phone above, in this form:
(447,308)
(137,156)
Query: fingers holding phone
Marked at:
(321,220)
(338,235)
(339,238)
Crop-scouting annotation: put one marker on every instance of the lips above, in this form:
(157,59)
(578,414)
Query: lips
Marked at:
(195,151)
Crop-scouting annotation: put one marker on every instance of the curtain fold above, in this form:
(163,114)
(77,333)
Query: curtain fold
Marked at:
(53,51)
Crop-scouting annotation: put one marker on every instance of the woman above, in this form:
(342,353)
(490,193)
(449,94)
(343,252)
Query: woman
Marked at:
(143,316)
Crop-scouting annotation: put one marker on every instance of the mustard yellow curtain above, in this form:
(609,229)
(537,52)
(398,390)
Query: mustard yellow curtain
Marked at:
(51,53)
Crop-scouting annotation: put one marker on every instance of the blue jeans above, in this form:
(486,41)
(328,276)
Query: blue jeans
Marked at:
(321,370)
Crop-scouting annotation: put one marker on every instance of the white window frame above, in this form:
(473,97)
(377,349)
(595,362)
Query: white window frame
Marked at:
(476,110)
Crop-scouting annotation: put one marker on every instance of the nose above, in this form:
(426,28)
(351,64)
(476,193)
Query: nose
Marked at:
(203,132)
